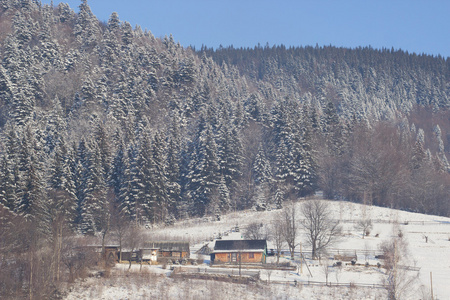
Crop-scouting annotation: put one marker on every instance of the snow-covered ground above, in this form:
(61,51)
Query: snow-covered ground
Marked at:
(426,258)
(135,285)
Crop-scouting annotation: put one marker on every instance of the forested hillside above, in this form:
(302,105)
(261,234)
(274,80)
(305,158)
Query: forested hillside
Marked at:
(369,83)
(99,118)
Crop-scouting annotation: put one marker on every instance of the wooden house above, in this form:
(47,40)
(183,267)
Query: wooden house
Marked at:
(167,249)
(239,251)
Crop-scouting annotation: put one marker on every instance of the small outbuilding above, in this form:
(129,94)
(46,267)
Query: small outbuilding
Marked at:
(149,255)
(239,251)
(111,253)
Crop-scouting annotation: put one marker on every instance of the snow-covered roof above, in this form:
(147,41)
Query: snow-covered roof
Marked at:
(168,246)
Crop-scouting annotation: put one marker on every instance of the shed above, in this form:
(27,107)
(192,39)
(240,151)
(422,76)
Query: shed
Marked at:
(239,251)
(149,254)
(111,251)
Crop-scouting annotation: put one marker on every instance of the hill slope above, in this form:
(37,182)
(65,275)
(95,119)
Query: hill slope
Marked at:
(422,257)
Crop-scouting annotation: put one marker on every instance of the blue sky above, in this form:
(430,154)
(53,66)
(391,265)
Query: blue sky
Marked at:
(412,25)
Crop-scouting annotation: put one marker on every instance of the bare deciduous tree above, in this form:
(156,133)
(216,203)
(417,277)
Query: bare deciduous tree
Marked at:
(119,227)
(268,273)
(321,230)
(290,229)
(133,239)
(364,225)
(277,235)
(400,281)
(326,269)
(254,231)
(76,256)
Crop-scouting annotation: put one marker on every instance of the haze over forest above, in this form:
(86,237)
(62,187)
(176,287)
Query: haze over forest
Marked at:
(99,119)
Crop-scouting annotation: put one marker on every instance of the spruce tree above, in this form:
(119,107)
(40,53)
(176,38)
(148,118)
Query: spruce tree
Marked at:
(131,189)
(61,184)
(173,170)
(146,167)
(203,169)
(160,183)
(262,177)
(30,180)
(86,27)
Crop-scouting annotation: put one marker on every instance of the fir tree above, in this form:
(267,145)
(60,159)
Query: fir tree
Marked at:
(204,169)
(30,183)
(8,187)
(230,154)
(130,190)
(160,183)
(114,22)
(86,28)
(117,176)
(146,167)
(61,184)
(261,167)
(173,170)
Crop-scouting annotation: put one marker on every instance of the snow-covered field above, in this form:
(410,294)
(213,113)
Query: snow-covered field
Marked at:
(425,258)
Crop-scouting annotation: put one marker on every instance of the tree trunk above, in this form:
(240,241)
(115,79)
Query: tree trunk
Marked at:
(103,248)
(71,279)
(59,247)
(31,275)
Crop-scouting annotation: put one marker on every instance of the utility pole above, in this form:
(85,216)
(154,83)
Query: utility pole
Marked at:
(431,280)
(240,263)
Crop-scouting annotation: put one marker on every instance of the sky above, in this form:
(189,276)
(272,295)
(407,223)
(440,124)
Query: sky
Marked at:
(410,25)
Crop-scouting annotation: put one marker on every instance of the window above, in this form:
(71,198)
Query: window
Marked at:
(251,255)
(234,257)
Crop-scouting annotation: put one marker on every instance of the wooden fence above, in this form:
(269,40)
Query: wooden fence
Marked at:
(330,284)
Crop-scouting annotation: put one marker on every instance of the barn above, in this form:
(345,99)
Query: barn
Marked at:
(239,251)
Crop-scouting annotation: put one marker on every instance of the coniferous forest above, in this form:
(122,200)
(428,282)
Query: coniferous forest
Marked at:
(99,120)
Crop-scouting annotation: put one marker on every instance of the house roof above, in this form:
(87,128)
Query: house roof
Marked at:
(237,251)
(240,245)
(168,246)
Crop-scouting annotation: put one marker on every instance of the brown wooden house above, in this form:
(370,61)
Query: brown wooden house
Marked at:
(239,251)
(167,249)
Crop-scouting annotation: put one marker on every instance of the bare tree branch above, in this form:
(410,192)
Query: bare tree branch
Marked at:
(321,230)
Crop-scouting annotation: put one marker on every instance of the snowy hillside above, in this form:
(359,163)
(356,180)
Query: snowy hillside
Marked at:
(425,257)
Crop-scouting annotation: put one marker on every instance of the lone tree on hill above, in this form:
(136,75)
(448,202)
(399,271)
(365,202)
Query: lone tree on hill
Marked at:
(365,225)
(321,230)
